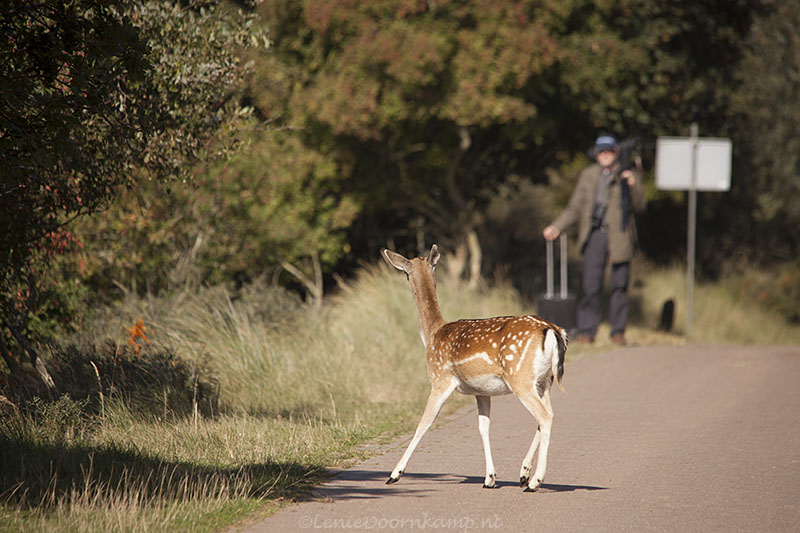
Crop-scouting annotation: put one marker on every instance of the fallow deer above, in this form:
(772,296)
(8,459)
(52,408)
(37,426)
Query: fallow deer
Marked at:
(487,357)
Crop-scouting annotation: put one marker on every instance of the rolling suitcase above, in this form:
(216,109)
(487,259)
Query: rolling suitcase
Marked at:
(560,308)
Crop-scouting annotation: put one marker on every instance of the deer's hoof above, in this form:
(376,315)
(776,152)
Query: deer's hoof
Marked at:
(393,479)
(534,486)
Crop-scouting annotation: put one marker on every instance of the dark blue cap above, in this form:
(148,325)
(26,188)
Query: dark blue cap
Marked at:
(605,142)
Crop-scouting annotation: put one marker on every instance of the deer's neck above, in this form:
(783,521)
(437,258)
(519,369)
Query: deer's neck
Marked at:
(430,317)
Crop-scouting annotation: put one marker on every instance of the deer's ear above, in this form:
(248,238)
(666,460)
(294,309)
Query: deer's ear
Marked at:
(433,258)
(397,260)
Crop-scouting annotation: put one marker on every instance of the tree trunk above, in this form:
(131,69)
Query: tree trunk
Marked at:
(36,361)
(457,262)
(475,258)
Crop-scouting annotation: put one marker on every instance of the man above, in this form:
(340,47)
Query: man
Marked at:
(603,203)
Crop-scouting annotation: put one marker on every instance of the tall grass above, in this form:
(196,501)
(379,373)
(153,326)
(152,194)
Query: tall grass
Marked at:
(275,356)
(299,388)
(724,311)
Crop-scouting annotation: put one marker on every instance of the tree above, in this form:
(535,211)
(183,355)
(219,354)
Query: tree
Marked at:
(419,101)
(275,205)
(96,95)
(429,107)
(768,177)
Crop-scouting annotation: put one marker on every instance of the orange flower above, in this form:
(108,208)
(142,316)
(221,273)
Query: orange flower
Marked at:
(138,331)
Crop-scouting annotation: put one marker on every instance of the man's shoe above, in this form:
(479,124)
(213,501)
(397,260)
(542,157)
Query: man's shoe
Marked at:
(584,339)
(619,339)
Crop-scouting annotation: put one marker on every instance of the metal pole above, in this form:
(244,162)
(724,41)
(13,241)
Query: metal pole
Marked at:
(690,234)
(549,293)
(563,258)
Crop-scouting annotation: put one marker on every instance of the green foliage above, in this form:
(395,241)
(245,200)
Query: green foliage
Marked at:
(776,288)
(432,106)
(154,382)
(90,95)
(421,102)
(386,120)
(237,221)
(768,183)
(96,95)
(45,422)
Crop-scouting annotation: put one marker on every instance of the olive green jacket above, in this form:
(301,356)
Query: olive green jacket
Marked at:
(621,243)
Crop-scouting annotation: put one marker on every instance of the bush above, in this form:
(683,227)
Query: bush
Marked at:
(154,382)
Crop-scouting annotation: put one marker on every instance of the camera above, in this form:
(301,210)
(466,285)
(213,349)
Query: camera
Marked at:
(598,214)
(629,149)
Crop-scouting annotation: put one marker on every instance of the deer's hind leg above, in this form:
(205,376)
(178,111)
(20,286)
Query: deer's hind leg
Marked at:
(527,463)
(525,471)
(542,411)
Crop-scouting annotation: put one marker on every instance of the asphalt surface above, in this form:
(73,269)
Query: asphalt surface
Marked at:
(694,438)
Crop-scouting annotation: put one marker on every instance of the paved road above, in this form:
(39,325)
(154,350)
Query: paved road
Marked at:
(697,438)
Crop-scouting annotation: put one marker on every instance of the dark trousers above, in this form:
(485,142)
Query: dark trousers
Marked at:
(590,313)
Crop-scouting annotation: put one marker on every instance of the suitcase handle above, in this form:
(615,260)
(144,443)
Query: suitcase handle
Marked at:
(563,258)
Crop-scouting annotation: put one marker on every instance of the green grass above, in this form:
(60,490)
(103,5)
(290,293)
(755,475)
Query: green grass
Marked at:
(298,390)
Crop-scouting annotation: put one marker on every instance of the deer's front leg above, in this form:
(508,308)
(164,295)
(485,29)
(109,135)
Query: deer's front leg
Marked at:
(439,394)
(484,409)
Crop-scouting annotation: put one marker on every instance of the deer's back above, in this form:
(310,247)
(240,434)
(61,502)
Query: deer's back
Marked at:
(483,353)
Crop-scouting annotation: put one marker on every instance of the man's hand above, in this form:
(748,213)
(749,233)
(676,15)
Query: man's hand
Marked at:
(551,233)
(630,176)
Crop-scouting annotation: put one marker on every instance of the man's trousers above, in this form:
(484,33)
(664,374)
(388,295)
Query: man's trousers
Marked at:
(590,313)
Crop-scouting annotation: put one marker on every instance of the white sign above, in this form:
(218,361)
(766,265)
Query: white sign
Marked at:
(674,164)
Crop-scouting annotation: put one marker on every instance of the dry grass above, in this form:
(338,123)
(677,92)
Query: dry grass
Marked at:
(722,312)
(300,389)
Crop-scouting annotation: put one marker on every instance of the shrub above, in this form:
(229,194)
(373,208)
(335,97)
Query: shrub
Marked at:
(153,382)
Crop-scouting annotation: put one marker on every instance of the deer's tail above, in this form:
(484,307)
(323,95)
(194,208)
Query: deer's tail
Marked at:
(555,342)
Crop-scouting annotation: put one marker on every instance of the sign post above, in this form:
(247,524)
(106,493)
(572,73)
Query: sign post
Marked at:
(692,164)
(691,232)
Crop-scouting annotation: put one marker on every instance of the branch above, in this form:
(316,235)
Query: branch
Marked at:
(314,286)
(36,361)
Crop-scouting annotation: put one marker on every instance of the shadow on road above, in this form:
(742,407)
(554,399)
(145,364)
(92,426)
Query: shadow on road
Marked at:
(545,488)
(550,487)
(370,484)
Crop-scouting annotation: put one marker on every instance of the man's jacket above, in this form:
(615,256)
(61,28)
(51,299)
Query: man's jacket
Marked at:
(621,242)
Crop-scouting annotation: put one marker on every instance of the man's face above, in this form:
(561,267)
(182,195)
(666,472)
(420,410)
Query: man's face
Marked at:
(606,157)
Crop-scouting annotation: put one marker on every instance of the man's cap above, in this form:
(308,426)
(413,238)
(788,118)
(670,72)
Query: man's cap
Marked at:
(605,142)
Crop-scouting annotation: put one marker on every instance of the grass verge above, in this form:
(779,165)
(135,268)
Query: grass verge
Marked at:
(295,391)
